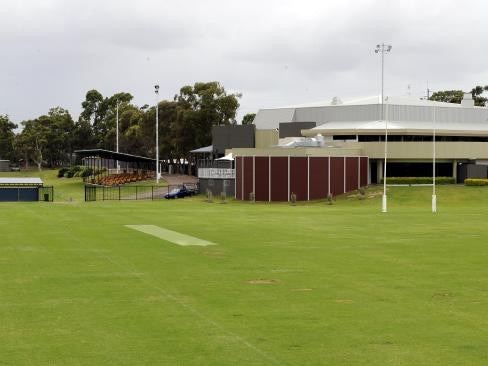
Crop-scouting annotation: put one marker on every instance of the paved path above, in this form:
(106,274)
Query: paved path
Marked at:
(179,179)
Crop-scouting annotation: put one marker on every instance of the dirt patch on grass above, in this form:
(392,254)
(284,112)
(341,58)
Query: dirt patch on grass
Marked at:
(264,281)
(442,296)
(343,301)
(214,253)
(301,289)
(374,194)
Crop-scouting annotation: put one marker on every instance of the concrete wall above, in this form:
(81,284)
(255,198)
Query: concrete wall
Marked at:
(421,150)
(266,138)
(274,178)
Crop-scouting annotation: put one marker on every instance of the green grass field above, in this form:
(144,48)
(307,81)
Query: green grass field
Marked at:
(312,284)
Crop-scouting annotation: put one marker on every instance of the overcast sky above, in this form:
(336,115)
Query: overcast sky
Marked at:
(275,53)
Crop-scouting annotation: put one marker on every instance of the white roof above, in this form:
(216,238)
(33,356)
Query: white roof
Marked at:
(20,181)
(228,157)
(397,127)
(205,149)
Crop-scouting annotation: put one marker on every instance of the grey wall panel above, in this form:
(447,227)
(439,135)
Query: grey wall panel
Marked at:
(293,129)
(232,136)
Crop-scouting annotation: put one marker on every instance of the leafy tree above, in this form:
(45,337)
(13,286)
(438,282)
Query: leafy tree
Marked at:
(101,112)
(248,119)
(32,142)
(7,136)
(92,106)
(456,96)
(82,136)
(203,106)
(47,139)
(60,126)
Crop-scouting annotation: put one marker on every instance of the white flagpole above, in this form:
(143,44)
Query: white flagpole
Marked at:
(434,197)
(156,91)
(382,48)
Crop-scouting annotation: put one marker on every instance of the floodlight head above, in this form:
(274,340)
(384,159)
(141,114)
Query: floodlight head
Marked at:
(156,89)
(389,48)
(376,50)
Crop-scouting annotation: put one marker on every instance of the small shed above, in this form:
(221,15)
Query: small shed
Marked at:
(24,189)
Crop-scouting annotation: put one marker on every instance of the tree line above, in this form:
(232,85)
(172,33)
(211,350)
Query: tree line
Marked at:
(185,123)
(456,96)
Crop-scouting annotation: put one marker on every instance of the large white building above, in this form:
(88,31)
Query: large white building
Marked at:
(357,128)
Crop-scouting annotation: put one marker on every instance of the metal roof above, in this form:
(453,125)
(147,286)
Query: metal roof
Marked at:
(398,128)
(10,181)
(374,99)
(369,109)
(107,154)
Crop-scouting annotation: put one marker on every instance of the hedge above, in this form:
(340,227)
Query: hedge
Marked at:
(79,171)
(418,180)
(475,182)
(62,171)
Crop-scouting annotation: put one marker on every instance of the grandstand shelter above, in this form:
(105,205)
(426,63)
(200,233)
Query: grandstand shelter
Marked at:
(357,127)
(112,168)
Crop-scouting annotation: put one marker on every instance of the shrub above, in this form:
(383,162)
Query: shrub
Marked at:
(62,171)
(293,198)
(74,169)
(475,182)
(330,198)
(418,180)
(85,172)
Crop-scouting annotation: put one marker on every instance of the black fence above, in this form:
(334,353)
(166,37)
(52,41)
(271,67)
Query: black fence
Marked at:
(131,192)
(26,194)
(46,193)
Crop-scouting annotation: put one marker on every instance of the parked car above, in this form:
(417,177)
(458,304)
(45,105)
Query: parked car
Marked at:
(178,193)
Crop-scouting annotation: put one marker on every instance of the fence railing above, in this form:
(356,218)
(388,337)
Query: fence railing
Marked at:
(222,164)
(131,192)
(46,193)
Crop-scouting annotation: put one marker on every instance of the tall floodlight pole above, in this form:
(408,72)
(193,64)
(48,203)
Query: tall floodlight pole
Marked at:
(156,91)
(382,49)
(117,133)
(434,197)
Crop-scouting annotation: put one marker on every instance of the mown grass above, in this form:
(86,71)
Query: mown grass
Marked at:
(311,284)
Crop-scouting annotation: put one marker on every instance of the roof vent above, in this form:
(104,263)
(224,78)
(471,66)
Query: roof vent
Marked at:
(336,101)
(467,100)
